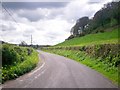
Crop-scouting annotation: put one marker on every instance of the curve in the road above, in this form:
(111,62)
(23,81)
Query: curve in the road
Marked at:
(59,72)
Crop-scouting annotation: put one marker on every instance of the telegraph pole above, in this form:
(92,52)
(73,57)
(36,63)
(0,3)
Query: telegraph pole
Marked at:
(31,40)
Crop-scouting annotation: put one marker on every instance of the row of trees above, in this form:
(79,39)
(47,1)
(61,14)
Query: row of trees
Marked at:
(107,16)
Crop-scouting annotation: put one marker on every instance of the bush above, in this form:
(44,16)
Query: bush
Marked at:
(9,55)
(17,61)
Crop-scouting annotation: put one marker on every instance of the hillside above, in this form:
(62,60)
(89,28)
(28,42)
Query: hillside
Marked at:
(110,37)
(94,42)
(98,51)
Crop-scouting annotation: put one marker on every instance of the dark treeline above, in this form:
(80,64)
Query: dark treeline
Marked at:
(108,16)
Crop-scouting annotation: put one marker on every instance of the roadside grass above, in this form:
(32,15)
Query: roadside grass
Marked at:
(97,64)
(93,39)
(98,51)
(21,65)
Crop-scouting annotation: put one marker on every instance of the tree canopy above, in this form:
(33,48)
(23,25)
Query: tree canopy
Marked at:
(108,16)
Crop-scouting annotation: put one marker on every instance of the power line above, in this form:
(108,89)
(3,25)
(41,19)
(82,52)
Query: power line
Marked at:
(10,14)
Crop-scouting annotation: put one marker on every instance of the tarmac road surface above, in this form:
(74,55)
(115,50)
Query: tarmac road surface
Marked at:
(54,71)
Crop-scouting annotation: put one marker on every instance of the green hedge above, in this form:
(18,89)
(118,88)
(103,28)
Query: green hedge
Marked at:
(109,53)
(17,60)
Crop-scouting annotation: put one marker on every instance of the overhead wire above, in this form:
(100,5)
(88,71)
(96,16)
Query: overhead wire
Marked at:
(9,13)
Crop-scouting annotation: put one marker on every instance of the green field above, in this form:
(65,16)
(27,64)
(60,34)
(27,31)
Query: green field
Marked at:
(93,39)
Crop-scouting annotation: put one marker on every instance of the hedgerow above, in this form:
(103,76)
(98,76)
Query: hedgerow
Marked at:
(17,60)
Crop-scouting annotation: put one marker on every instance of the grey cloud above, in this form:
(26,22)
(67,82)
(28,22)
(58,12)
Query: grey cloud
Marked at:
(96,1)
(52,35)
(41,33)
(7,28)
(30,7)
(56,14)
(36,15)
(31,16)
(33,5)
(28,33)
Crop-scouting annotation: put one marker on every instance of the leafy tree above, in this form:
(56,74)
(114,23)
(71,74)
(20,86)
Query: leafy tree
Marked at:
(80,25)
(110,12)
(83,22)
(23,43)
(107,16)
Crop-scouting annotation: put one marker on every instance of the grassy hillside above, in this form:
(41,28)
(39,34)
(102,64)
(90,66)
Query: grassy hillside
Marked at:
(91,39)
(99,51)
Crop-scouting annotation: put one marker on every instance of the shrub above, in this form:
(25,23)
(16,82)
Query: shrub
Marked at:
(17,61)
(9,55)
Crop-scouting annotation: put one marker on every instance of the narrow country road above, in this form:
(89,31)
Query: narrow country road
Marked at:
(55,71)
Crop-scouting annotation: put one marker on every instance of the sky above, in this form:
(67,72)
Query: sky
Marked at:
(48,22)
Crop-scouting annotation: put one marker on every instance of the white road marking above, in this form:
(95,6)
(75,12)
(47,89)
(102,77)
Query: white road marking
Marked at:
(34,78)
(37,69)
(21,80)
(1,87)
(40,74)
(31,73)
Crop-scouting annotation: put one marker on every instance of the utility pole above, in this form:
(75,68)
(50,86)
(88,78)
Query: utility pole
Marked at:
(31,40)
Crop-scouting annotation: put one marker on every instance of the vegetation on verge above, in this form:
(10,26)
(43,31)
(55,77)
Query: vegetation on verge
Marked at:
(99,51)
(101,65)
(17,60)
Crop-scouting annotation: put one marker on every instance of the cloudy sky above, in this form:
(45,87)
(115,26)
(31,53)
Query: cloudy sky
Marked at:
(49,23)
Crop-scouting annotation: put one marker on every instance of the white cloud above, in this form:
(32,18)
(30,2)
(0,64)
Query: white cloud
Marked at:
(48,26)
(51,31)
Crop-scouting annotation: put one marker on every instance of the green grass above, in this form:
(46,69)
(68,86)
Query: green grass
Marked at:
(22,63)
(93,39)
(100,59)
(108,71)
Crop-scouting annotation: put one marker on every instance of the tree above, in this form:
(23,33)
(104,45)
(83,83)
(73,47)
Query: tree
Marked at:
(79,26)
(23,43)
(107,16)
(109,13)
(83,22)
